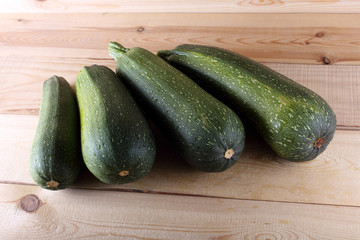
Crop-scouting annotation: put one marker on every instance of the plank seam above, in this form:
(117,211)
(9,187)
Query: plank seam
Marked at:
(132,190)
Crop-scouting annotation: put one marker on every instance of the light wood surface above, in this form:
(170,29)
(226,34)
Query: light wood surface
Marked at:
(92,214)
(288,38)
(261,197)
(240,6)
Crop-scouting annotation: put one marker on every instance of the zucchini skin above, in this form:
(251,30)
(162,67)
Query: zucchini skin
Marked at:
(296,122)
(116,141)
(206,133)
(55,159)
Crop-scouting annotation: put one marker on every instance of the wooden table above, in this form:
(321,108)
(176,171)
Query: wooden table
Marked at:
(316,43)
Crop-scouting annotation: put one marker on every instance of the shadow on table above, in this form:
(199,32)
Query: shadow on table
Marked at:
(169,166)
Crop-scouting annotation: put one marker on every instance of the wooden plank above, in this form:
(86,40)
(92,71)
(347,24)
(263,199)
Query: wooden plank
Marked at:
(90,214)
(242,6)
(286,38)
(21,81)
(332,178)
(61,21)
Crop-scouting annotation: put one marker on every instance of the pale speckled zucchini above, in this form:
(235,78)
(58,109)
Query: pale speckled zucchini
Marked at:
(296,122)
(206,133)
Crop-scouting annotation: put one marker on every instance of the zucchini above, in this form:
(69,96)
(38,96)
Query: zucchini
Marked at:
(55,154)
(296,122)
(206,133)
(116,141)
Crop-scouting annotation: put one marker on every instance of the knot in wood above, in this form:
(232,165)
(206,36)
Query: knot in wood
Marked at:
(326,60)
(140,29)
(30,203)
(319,34)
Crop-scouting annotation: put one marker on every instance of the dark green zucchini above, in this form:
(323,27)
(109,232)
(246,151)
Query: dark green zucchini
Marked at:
(206,133)
(116,141)
(296,122)
(55,159)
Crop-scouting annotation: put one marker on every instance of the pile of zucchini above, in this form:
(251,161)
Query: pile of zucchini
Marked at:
(195,94)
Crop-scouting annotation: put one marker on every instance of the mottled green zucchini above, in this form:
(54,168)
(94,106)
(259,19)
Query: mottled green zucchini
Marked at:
(206,133)
(117,143)
(55,155)
(296,122)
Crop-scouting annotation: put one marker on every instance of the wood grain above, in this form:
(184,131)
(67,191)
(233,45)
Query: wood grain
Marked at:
(262,197)
(240,6)
(285,38)
(332,178)
(90,214)
(22,78)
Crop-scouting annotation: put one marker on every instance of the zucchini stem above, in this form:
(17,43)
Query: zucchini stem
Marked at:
(319,142)
(164,54)
(123,173)
(229,153)
(116,48)
(52,184)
